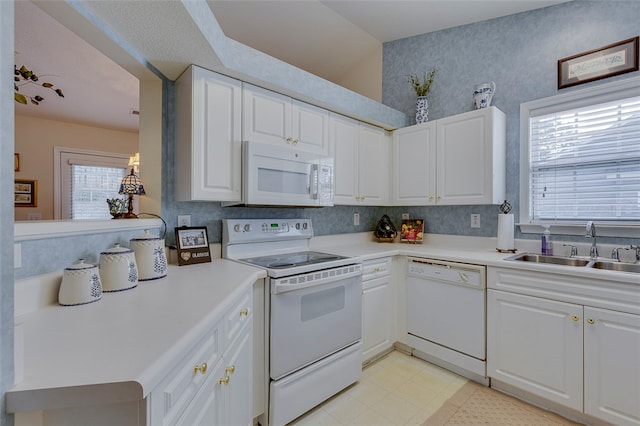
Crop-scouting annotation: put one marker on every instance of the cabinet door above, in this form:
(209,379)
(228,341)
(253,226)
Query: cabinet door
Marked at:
(239,369)
(536,345)
(207,408)
(343,147)
(414,165)
(373,166)
(208,129)
(267,116)
(612,366)
(310,127)
(470,170)
(377,316)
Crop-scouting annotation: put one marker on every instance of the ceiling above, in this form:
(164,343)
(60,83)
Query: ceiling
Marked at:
(326,38)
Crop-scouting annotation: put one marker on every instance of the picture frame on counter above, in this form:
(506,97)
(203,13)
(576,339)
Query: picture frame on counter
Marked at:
(192,244)
(614,59)
(25,193)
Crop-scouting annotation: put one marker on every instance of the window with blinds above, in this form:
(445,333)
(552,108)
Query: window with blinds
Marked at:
(84,179)
(584,163)
(90,186)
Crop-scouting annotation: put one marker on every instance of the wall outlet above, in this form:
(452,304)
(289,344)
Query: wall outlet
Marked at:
(356,219)
(184,220)
(405,216)
(475,220)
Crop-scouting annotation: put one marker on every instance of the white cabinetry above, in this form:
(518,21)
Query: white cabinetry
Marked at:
(612,366)
(536,345)
(545,339)
(278,119)
(208,136)
(212,385)
(377,308)
(361,155)
(458,160)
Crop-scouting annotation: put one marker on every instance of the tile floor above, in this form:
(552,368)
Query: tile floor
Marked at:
(396,390)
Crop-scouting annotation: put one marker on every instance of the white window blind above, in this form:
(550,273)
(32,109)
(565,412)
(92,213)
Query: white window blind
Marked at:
(90,186)
(584,163)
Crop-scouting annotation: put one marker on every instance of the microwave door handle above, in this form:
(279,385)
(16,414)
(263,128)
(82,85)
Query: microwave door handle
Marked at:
(313,187)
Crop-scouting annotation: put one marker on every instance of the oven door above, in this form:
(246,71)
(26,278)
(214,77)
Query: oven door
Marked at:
(312,316)
(276,175)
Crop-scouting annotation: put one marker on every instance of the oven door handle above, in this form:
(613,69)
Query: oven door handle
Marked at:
(314,279)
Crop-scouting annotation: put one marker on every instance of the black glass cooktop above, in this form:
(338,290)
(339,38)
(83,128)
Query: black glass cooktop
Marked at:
(291,260)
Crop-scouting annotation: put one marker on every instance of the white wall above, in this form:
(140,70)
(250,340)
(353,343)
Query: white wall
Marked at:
(34,141)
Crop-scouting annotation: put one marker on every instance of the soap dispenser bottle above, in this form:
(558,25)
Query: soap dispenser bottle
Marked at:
(546,246)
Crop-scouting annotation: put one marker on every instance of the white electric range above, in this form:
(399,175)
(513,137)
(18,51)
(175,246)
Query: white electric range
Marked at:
(314,309)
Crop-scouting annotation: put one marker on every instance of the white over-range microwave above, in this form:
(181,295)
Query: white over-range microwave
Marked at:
(284,176)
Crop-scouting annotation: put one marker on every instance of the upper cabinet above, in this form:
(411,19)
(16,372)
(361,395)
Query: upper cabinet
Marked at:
(458,160)
(280,120)
(208,136)
(361,155)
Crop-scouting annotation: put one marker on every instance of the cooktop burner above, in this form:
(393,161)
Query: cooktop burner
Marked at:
(290,260)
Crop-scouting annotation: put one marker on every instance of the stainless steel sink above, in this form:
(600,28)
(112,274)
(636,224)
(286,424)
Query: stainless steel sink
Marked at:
(617,266)
(553,260)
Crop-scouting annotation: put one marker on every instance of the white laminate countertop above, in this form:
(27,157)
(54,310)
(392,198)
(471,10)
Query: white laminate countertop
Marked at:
(118,348)
(476,250)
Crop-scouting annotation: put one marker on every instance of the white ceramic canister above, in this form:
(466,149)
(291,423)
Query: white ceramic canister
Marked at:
(118,269)
(80,284)
(150,256)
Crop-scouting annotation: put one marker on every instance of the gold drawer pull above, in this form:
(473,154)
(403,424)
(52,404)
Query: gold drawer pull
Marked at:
(231,369)
(575,317)
(200,368)
(244,312)
(591,321)
(224,380)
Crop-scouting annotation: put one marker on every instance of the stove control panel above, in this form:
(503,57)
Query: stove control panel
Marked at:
(255,230)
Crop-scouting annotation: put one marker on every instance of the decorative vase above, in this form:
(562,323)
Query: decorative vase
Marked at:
(422,110)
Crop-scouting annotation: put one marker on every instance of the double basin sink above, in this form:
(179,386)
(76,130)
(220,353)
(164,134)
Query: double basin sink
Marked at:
(577,261)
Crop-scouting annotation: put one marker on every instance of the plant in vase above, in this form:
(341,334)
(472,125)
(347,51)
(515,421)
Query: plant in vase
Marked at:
(422,86)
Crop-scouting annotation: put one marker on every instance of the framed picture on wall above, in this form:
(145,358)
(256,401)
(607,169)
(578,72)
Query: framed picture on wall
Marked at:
(607,61)
(25,193)
(193,245)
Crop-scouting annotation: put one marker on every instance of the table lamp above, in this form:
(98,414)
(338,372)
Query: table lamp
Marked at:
(130,185)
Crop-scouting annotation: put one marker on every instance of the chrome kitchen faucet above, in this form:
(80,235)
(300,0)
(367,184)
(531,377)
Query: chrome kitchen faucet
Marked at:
(591,232)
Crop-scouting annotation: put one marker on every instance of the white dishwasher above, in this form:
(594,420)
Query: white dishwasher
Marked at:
(446,314)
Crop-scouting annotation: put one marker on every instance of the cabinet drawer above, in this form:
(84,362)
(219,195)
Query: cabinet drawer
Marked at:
(237,316)
(376,268)
(170,398)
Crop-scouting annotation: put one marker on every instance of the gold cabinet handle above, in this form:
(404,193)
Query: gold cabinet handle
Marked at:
(200,368)
(231,369)
(244,312)
(591,321)
(575,317)
(439,197)
(430,197)
(224,380)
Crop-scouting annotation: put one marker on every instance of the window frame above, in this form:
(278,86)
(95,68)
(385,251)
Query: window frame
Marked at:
(621,89)
(61,173)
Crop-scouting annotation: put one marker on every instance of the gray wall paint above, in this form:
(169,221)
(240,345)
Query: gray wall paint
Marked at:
(6,209)
(519,53)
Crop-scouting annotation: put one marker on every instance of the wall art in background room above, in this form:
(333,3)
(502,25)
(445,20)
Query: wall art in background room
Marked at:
(25,193)
(607,61)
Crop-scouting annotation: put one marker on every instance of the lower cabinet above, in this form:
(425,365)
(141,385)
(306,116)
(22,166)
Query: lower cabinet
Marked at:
(581,357)
(377,308)
(225,397)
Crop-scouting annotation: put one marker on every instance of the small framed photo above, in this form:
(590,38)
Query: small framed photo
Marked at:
(412,231)
(193,245)
(607,61)
(25,193)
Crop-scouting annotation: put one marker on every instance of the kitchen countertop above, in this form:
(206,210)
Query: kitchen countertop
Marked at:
(476,250)
(119,348)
